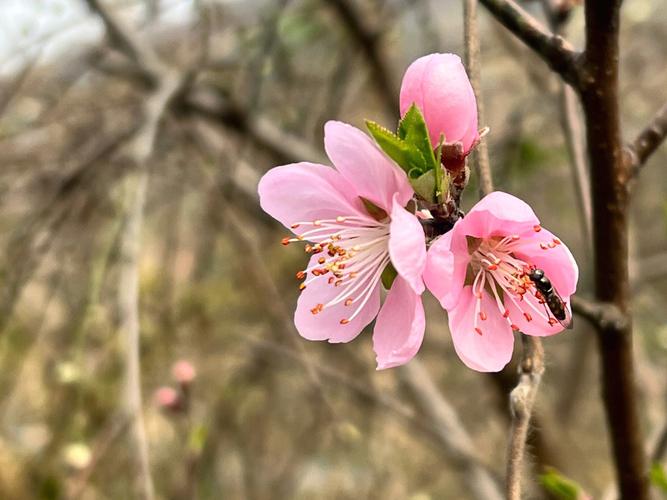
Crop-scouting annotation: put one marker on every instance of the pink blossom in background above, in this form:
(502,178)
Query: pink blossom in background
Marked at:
(350,247)
(479,273)
(183,372)
(166,397)
(438,85)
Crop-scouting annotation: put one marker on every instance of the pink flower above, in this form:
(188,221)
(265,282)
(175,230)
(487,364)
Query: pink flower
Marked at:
(351,246)
(183,372)
(166,398)
(479,271)
(438,85)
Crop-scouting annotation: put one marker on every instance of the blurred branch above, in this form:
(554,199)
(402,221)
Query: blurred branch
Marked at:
(127,42)
(471,40)
(522,399)
(449,428)
(602,315)
(12,88)
(369,42)
(553,49)
(648,140)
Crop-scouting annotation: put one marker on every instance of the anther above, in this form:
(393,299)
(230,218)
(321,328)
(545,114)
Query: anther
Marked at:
(340,218)
(537,228)
(506,314)
(478,330)
(285,241)
(482,315)
(344,321)
(557,241)
(302,286)
(317,223)
(330,280)
(514,327)
(543,246)
(552,322)
(527,316)
(300,275)
(492,267)
(321,260)
(294,226)
(349,301)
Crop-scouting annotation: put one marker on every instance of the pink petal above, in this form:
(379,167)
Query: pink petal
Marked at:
(557,263)
(326,324)
(538,324)
(407,246)
(399,329)
(497,214)
(373,175)
(445,270)
(438,85)
(304,192)
(488,352)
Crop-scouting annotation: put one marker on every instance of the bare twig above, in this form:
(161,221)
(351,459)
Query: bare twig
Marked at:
(602,315)
(648,140)
(471,40)
(522,399)
(553,49)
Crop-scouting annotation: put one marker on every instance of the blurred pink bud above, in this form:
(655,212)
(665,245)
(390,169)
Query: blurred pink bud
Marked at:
(166,398)
(438,85)
(183,372)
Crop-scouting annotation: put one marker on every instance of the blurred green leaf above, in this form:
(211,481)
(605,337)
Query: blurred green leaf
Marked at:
(560,486)
(197,438)
(424,185)
(388,276)
(658,477)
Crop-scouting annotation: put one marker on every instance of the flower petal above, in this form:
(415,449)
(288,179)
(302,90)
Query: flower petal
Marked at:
(326,325)
(305,192)
(490,351)
(407,246)
(373,175)
(557,262)
(538,324)
(498,214)
(399,329)
(438,85)
(445,270)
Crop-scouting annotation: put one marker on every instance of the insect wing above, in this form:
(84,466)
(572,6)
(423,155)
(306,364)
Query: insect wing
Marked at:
(567,322)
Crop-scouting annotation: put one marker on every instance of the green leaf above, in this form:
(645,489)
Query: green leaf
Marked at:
(413,130)
(373,210)
(406,155)
(388,276)
(424,185)
(658,476)
(560,486)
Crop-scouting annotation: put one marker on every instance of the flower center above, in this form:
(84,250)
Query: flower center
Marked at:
(353,251)
(497,269)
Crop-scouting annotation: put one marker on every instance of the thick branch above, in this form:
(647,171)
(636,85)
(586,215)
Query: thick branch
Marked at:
(648,140)
(609,178)
(522,400)
(553,49)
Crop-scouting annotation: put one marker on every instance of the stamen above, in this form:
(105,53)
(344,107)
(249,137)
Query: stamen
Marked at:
(482,315)
(478,331)
(537,228)
(285,241)
(344,321)
(527,316)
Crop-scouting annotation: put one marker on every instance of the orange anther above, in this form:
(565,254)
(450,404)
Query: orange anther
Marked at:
(285,241)
(344,321)
(482,315)
(478,331)
(527,316)
(537,228)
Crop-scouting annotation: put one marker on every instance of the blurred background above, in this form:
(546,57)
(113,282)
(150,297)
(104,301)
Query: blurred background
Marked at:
(146,341)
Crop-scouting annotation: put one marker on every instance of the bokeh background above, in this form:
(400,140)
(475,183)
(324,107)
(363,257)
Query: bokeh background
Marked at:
(270,415)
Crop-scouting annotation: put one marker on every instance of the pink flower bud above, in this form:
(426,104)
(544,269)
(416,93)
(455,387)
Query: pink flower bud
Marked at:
(438,85)
(183,372)
(166,398)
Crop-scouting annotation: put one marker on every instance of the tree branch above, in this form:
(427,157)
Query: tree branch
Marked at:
(522,399)
(471,39)
(609,178)
(553,49)
(601,315)
(648,140)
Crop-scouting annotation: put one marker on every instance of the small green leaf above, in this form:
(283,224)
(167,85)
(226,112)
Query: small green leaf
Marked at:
(388,276)
(424,185)
(373,210)
(413,130)
(658,476)
(407,156)
(560,486)
(197,438)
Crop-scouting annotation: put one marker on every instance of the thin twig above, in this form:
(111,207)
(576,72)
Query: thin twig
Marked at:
(522,399)
(602,315)
(471,40)
(648,140)
(553,49)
